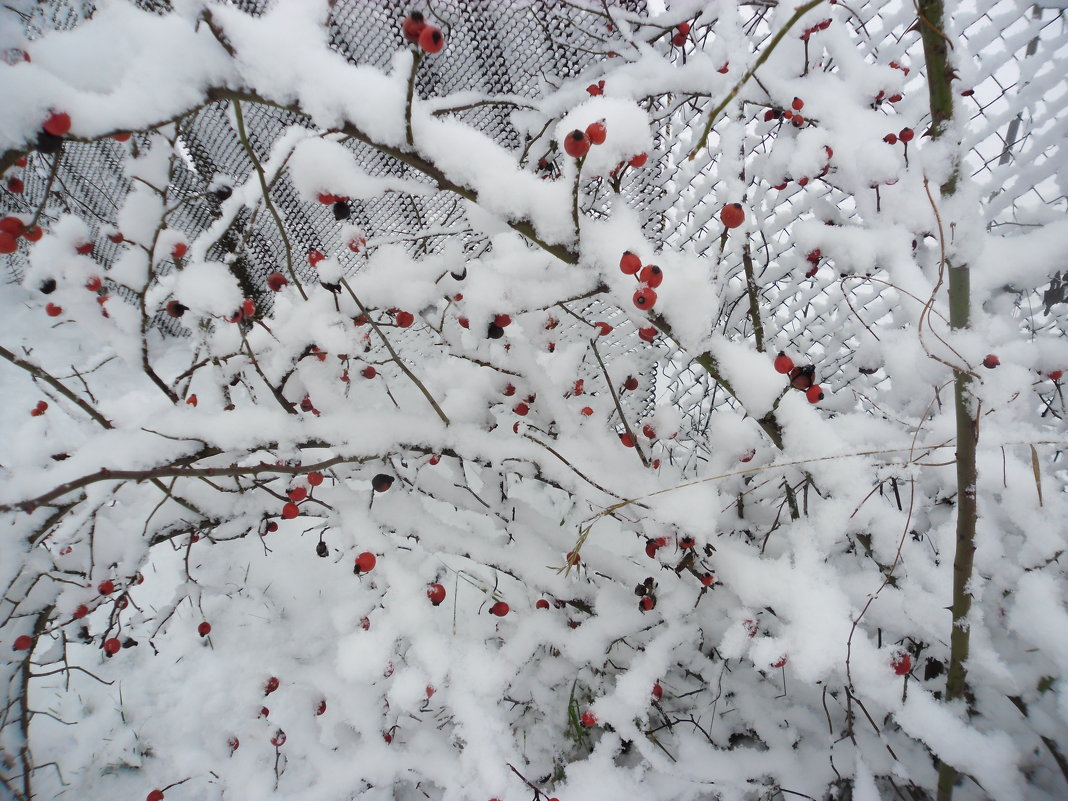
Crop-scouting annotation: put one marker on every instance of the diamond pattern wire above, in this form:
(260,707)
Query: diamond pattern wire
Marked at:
(1014,137)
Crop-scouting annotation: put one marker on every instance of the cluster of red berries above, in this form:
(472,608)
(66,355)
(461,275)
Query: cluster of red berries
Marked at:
(595,89)
(39,409)
(577,143)
(649,277)
(682,32)
(792,115)
(905,135)
(296,495)
(802,378)
(803,181)
(417,31)
(11,228)
(819,26)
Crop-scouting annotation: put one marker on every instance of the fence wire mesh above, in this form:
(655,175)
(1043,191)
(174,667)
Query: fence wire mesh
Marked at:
(1013,90)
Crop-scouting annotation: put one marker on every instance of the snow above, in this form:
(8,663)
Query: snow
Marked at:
(817,557)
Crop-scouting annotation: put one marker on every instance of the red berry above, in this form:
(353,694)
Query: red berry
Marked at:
(686,542)
(605,329)
(896,98)
(179,250)
(52,310)
(272,527)
(204,629)
(586,411)
(13,226)
(647,334)
(8,243)
(123,136)
(234,744)
(639,161)
(94,284)
(627,440)
(327,199)
(783,363)
(15,186)
(541,604)
(436,594)
(192,400)
(464,322)
(678,39)
(248,308)
(314,257)
(630,384)
(597,132)
(651,275)
(431,39)
(780,662)
(589,720)
(290,511)
(297,494)
(381,482)
(275,282)
(658,691)
(901,663)
(576,144)
(683,28)
(797,104)
(814,393)
(629,263)
(106,587)
(647,604)
(112,646)
(649,431)
(502,320)
(651,547)
(413,26)
(81,611)
(708,579)
(732,215)
(23,642)
(500,609)
(271,685)
(890,139)
(905,134)
(645,298)
(595,88)
(366,562)
(57,124)
(521,409)
(405,319)
(357,244)
(991,361)
(321,708)
(155,795)
(315,479)
(85,248)
(1056,375)
(34,233)
(279,739)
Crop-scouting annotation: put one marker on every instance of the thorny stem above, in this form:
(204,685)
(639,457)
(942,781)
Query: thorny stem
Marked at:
(619,407)
(754,297)
(940,95)
(396,356)
(765,53)
(240,118)
(42,375)
(417,58)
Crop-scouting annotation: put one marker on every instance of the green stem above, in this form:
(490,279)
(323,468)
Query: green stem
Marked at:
(767,51)
(940,94)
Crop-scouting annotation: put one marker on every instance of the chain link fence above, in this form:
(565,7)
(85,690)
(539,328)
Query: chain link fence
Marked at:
(1011,76)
